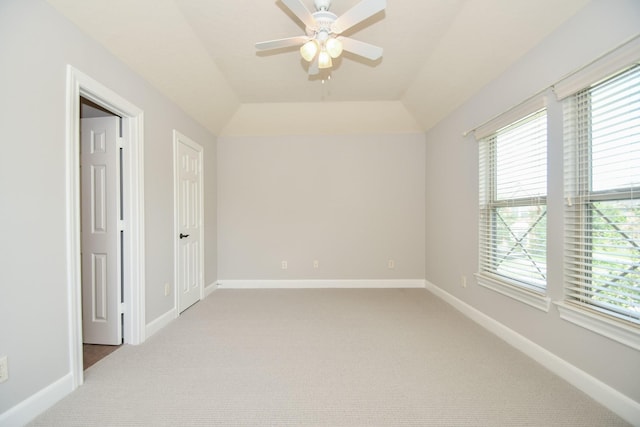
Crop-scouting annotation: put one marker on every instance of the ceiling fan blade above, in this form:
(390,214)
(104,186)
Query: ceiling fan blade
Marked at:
(357,14)
(366,50)
(280,43)
(300,10)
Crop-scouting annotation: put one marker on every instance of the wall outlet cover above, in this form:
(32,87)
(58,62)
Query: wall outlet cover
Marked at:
(4,369)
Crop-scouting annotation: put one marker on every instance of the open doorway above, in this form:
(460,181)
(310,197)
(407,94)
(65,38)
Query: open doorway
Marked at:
(132,198)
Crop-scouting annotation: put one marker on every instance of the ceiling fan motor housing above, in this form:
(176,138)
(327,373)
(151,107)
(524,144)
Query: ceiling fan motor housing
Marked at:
(324,21)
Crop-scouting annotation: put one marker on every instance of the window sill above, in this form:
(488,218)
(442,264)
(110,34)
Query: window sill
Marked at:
(526,296)
(600,324)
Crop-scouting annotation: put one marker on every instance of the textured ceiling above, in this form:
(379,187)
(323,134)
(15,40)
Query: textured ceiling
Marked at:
(201,54)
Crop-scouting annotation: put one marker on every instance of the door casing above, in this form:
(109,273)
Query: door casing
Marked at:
(80,84)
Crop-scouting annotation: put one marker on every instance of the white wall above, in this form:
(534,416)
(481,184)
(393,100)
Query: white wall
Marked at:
(36,44)
(352,202)
(452,177)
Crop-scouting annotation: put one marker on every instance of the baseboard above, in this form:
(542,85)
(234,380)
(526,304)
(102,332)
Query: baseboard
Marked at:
(208,290)
(30,408)
(617,402)
(320,284)
(160,322)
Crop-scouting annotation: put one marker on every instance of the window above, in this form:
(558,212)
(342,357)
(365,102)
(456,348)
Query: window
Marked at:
(602,197)
(513,189)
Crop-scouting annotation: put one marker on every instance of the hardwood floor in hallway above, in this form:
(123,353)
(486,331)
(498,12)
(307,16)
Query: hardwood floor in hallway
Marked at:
(92,353)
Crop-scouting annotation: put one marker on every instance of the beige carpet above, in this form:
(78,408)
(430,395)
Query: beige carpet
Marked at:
(354,357)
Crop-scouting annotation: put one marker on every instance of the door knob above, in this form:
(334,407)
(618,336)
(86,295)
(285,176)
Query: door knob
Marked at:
(182,236)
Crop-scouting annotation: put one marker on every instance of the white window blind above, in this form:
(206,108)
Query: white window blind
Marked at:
(513,189)
(602,68)
(602,196)
(535,103)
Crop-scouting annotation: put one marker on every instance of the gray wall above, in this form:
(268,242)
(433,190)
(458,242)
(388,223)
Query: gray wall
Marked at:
(352,202)
(452,175)
(420,212)
(36,44)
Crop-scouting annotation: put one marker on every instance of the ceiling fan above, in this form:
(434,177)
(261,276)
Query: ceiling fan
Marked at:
(323,41)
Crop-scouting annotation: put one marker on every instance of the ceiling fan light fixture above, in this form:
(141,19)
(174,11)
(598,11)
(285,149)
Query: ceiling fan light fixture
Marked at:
(323,41)
(309,50)
(334,47)
(324,59)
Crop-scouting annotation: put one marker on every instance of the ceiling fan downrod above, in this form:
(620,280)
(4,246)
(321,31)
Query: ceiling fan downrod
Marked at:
(322,5)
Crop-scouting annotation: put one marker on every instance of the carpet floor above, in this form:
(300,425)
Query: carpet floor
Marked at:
(320,357)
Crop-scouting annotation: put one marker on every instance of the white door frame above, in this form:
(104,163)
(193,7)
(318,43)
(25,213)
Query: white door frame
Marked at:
(79,84)
(177,139)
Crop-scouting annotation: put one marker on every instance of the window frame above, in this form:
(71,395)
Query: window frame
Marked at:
(585,311)
(519,290)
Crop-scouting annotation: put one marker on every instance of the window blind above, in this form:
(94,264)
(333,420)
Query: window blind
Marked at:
(513,189)
(623,57)
(602,196)
(535,103)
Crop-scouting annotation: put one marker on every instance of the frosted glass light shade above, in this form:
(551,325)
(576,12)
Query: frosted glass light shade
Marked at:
(324,59)
(309,50)
(334,47)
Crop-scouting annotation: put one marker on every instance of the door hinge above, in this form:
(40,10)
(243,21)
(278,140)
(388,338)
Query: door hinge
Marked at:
(120,225)
(120,142)
(122,308)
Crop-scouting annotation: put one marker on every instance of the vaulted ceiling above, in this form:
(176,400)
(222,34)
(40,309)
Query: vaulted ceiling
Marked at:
(201,54)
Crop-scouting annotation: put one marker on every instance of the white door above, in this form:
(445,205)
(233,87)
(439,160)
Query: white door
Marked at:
(188,212)
(100,213)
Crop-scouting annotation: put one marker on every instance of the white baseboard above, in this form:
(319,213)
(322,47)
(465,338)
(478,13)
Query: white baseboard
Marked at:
(617,402)
(320,284)
(163,320)
(208,290)
(160,322)
(30,408)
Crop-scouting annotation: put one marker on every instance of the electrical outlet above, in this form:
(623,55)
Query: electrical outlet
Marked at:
(167,289)
(391,264)
(464,281)
(283,265)
(316,264)
(4,369)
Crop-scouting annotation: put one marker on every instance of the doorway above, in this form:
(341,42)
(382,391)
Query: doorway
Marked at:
(132,197)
